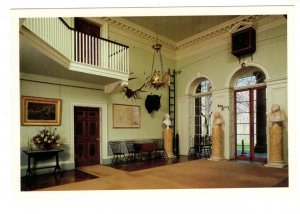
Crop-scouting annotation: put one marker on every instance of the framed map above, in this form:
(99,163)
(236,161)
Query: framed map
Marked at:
(126,116)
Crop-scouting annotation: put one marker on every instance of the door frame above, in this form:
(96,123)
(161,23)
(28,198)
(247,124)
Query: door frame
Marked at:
(102,128)
(250,158)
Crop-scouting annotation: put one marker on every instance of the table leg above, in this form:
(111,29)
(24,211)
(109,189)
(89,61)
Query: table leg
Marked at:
(29,171)
(57,167)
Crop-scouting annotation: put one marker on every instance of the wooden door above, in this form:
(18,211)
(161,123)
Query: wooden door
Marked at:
(87,135)
(86,49)
(250,124)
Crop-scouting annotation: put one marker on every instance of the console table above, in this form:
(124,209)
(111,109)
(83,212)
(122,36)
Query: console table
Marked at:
(42,153)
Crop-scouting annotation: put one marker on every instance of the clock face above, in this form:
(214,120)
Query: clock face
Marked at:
(243,42)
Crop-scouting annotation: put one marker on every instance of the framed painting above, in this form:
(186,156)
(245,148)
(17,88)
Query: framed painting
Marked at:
(126,116)
(37,111)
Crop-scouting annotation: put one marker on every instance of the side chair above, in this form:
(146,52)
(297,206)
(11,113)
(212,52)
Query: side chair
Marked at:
(118,154)
(132,152)
(160,150)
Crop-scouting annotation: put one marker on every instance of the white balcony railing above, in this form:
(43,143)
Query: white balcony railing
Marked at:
(80,47)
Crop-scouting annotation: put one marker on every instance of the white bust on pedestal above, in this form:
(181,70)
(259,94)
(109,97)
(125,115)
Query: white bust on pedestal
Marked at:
(168,136)
(276,128)
(217,148)
(167,120)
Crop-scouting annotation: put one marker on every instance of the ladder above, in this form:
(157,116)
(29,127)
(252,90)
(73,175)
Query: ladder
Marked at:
(172,110)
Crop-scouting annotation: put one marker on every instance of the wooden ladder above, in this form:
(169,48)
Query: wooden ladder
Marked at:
(172,110)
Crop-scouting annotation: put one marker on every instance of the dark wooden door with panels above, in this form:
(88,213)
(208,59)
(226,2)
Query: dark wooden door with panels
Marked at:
(86,136)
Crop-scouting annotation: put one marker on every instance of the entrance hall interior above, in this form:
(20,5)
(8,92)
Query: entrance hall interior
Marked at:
(94,85)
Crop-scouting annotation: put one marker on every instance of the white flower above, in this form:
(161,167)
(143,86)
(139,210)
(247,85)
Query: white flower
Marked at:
(49,141)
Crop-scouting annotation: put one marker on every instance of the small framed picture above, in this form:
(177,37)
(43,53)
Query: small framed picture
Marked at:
(37,111)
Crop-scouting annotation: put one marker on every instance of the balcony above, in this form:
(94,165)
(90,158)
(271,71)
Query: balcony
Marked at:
(48,46)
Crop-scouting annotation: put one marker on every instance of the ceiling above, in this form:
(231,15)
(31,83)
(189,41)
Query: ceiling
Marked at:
(178,28)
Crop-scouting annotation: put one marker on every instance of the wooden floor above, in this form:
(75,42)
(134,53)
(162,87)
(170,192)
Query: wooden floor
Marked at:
(49,180)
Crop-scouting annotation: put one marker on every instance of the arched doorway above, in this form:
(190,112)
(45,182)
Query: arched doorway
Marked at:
(250,116)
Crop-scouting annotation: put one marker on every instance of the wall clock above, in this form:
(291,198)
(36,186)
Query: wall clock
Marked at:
(243,42)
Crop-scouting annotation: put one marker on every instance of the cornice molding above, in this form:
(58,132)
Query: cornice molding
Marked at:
(138,31)
(146,34)
(218,34)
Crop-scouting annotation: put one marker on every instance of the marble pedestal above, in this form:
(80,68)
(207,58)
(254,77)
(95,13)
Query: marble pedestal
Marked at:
(168,142)
(276,147)
(217,153)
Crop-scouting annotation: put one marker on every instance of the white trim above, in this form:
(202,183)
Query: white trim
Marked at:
(94,70)
(44,47)
(103,127)
(233,76)
(194,82)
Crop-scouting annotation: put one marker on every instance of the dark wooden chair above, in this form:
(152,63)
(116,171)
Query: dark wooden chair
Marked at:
(133,153)
(118,154)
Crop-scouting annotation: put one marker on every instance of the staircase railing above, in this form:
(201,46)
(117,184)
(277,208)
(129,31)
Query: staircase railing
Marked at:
(80,47)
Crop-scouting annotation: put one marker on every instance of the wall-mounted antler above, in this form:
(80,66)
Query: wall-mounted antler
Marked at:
(133,93)
(129,93)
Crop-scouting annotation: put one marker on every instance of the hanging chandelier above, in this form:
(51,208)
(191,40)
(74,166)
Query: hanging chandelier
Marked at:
(158,78)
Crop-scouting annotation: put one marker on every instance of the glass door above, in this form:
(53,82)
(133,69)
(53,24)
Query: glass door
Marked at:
(250,124)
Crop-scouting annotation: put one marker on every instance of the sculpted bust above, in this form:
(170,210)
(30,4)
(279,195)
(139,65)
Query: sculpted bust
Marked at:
(218,120)
(167,120)
(276,116)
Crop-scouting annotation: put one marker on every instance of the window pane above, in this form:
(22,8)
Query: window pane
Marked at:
(251,79)
(243,118)
(243,128)
(243,145)
(242,107)
(203,110)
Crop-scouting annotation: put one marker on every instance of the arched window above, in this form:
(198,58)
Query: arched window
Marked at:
(250,78)
(203,105)
(250,115)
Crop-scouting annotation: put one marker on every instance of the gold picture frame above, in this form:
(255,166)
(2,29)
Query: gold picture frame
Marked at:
(126,116)
(38,111)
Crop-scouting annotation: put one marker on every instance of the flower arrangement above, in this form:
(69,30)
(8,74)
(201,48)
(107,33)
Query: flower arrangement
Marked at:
(46,138)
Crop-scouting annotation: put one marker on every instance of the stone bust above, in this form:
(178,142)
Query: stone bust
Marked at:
(167,120)
(276,116)
(218,120)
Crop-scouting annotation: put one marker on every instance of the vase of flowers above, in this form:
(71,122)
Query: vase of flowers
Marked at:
(46,138)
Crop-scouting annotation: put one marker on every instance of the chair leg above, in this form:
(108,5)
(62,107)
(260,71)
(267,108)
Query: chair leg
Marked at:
(191,148)
(112,161)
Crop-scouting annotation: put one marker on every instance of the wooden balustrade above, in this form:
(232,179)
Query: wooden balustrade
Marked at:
(80,47)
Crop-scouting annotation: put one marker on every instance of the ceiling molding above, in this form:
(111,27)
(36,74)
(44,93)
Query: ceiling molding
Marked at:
(136,30)
(126,31)
(217,31)
(139,31)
